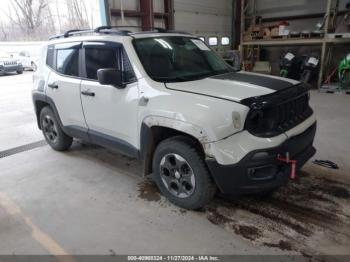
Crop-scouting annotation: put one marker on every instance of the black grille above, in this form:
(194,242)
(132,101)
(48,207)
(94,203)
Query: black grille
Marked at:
(10,63)
(273,117)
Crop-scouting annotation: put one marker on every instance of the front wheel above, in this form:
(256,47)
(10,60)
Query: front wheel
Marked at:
(181,174)
(52,131)
(19,72)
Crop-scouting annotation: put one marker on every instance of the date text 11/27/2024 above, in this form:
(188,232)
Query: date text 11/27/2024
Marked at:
(173,258)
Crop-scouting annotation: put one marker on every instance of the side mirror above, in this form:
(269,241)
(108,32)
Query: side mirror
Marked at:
(110,76)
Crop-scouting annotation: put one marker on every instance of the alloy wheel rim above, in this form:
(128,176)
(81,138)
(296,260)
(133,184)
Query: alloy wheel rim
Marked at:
(50,129)
(177,175)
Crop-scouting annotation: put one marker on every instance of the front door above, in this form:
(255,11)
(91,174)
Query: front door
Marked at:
(110,112)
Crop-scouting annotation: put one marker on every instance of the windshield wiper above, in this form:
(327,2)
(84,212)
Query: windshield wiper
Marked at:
(171,79)
(190,77)
(209,74)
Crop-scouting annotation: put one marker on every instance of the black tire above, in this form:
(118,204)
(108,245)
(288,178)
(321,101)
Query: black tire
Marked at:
(52,131)
(19,72)
(195,196)
(34,67)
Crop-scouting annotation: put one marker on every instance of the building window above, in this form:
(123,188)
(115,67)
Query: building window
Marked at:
(213,41)
(202,38)
(225,40)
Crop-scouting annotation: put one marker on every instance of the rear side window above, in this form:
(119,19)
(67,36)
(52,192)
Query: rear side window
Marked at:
(67,61)
(98,58)
(129,75)
(50,56)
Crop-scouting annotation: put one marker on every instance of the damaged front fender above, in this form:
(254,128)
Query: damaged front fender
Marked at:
(185,127)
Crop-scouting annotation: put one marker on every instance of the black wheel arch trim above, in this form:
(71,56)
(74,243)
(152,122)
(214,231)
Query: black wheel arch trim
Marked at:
(73,131)
(150,138)
(86,134)
(143,154)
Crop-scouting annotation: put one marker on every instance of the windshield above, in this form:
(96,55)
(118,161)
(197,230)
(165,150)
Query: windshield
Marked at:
(178,58)
(4,54)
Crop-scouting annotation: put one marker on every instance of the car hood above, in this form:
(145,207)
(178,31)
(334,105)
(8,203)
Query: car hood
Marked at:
(234,86)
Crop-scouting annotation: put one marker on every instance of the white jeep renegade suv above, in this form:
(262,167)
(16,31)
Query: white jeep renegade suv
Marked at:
(168,100)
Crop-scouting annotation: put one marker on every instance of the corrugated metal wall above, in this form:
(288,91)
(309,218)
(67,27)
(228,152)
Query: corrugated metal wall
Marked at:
(278,8)
(201,17)
(205,18)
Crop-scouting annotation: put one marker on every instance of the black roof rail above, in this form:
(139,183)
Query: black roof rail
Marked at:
(178,32)
(109,30)
(55,37)
(98,29)
(71,33)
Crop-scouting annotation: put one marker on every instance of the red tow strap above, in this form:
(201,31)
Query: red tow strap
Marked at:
(290,162)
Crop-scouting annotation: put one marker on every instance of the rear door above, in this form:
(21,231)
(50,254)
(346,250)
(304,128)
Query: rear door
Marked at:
(63,85)
(110,112)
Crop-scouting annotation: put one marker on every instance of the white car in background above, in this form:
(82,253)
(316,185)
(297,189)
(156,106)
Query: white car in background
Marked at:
(28,60)
(9,64)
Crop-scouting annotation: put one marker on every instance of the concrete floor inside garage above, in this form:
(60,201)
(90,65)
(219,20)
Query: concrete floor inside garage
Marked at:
(91,201)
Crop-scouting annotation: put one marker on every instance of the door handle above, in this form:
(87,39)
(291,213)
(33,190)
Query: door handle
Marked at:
(87,93)
(53,85)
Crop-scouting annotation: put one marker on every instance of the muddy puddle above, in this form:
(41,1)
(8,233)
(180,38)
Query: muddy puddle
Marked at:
(148,191)
(310,216)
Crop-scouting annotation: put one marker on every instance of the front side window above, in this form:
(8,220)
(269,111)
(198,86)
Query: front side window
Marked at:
(67,61)
(177,58)
(98,58)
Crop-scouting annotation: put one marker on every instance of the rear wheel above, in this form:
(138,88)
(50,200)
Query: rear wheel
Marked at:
(33,65)
(181,174)
(52,131)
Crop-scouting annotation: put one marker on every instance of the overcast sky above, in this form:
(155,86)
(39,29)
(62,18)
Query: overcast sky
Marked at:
(92,7)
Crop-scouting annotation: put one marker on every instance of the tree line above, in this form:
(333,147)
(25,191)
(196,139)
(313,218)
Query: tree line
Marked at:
(31,20)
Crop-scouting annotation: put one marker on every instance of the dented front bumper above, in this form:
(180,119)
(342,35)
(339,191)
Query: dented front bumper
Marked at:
(259,170)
